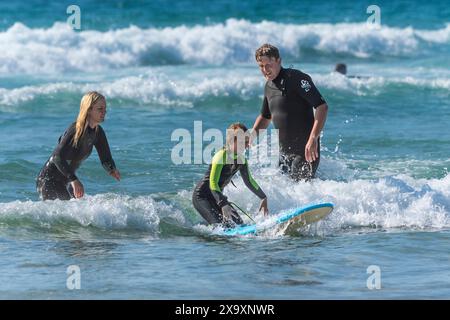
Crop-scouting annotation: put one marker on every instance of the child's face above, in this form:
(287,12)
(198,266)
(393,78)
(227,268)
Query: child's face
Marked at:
(239,147)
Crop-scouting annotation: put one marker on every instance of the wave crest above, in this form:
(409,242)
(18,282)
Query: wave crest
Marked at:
(61,49)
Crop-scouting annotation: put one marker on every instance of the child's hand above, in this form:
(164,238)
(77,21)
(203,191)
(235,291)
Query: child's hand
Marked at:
(229,213)
(264,207)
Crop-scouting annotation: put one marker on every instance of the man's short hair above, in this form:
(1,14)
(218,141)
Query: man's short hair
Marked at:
(267,50)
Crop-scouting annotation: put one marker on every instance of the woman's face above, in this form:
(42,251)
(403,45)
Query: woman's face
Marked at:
(98,111)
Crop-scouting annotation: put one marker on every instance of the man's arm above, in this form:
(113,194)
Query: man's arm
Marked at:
(261,123)
(263,119)
(311,152)
(308,91)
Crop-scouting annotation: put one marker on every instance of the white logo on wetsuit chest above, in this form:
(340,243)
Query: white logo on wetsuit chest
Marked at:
(305,85)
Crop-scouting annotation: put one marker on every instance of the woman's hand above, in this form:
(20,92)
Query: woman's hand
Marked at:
(115,174)
(78,189)
(264,207)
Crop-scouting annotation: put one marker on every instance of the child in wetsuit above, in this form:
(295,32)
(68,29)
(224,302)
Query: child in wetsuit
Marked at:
(208,198)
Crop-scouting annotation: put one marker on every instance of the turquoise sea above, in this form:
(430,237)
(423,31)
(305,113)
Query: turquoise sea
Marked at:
(163,65)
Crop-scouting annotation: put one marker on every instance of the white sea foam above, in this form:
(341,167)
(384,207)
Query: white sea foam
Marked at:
(109,211)
(168,90)
(151,88)
(374,85)
(61,49)
(438,36)
(391,202)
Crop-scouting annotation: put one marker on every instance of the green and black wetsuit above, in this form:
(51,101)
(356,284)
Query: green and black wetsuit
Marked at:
(54,178)
(208,198)
(289,101)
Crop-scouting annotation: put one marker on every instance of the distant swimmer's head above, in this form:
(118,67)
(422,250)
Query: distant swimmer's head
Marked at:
(238,138)
(268,58)
(341,68)
(92,112)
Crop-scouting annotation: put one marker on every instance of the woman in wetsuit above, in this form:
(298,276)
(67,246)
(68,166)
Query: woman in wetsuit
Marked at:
(57,179)
(208,198)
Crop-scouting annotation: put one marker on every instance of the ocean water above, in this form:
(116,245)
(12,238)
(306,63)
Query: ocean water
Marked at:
(163,65)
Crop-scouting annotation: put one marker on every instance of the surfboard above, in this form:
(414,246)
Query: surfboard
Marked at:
(291,220)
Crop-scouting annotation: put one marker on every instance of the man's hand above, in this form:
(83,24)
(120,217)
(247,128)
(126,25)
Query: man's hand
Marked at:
(253,136)
(78,189)
(311,152)
(264,207)
(260,123)
(115,174)
(311,148)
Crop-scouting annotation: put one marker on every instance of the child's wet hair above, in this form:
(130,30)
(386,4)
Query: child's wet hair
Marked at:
(233,131)
(237,125)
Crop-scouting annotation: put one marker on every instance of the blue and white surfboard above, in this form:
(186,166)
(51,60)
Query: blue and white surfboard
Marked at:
(294,219)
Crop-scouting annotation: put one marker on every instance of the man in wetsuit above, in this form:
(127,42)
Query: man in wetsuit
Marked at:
(290,98)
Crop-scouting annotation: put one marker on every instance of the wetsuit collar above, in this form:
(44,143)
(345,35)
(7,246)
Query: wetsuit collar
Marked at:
(279,76)
(231,154)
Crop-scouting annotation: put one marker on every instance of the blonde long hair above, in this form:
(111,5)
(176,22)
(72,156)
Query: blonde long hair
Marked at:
(88,100)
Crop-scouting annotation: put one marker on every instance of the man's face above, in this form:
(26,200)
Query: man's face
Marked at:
(270,67)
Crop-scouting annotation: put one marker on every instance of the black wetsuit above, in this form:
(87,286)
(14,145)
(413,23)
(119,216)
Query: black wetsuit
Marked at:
(54,178)
(208,198)
(289,101)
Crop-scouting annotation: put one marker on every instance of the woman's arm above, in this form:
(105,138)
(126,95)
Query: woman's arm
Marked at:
(104,153)
(59,157)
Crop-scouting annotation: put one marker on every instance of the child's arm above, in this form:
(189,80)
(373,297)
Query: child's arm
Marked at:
(254,187)
(250,182)
(216,169)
